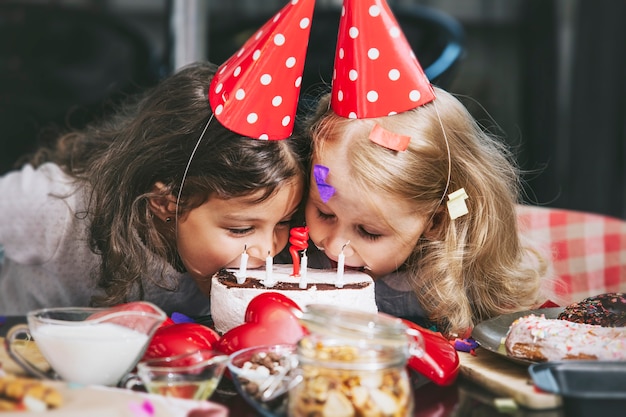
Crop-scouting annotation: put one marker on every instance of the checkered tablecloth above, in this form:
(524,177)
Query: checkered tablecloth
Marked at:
(588,251)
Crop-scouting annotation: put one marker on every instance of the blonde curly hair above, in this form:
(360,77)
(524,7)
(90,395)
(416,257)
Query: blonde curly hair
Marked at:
(467,269)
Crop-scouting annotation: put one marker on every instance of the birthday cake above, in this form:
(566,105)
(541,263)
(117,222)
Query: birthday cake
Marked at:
(229,299)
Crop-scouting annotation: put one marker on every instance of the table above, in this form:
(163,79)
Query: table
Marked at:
(464,398)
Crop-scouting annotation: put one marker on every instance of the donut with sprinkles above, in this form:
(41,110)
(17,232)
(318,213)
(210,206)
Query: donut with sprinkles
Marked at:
(606,310)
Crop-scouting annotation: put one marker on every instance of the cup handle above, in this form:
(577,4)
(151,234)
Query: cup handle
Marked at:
(133,382)
(10,342)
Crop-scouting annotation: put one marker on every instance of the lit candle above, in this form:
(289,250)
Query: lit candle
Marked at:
(269,279)
(243,266)
(340,266)
(303,265)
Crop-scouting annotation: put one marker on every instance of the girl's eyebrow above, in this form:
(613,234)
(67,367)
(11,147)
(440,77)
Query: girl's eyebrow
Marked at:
(240,218)
(243,218)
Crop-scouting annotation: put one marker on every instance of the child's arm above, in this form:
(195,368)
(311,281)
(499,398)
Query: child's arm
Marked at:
(34,213)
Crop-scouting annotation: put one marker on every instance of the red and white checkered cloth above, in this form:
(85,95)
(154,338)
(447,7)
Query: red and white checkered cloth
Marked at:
(588,250)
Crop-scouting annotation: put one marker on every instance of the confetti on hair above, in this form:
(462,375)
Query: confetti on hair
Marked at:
(181,318)
(456,204)
(465,345)
(145,409)
(380,136)
(320,172)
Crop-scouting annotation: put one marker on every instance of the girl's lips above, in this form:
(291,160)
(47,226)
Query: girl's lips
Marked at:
(250,265)
(333,265)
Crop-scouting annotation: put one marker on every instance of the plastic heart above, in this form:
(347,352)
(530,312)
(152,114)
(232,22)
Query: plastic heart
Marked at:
(270,319)
(439,361)
(177,339)
(130,314)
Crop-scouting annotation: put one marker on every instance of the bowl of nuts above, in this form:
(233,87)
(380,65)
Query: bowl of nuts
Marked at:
(263,376)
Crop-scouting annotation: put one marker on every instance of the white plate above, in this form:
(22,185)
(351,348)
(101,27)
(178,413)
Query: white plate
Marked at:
(96,401)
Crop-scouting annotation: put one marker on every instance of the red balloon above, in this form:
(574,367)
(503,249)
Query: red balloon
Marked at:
(270,319)
(180,338)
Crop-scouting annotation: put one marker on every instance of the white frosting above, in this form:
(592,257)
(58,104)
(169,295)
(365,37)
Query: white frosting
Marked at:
(228,304)
(557,340)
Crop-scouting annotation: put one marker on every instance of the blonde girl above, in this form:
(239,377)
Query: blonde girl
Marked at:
(389,214)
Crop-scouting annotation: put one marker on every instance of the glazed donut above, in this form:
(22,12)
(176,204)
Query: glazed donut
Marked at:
(606,310)
(539,339)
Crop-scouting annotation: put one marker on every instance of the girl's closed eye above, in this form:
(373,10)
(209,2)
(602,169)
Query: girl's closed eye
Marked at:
(324,216)
(284,223)
(368,235)
(240,231)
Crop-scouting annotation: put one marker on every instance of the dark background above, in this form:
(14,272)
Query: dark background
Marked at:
(548,76)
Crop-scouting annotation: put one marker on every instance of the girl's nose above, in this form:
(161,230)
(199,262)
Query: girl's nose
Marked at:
(336,244)
(262,246)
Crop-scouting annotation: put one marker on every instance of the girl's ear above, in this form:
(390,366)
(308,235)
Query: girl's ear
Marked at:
(433,228)
(163,203)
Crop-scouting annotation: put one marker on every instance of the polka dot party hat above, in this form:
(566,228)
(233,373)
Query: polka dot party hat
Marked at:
(255,92)
(376,73)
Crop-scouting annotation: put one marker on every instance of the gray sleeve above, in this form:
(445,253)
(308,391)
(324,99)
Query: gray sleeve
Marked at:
(34,217)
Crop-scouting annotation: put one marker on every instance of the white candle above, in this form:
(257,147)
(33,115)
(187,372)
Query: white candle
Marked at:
(303,265)
(341,259)
(243,266)
(269,279)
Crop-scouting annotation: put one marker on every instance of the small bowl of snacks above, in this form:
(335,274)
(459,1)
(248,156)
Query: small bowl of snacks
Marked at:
(263,375)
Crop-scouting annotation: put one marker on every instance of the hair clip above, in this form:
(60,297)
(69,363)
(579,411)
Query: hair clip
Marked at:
(380,136)
(456,204)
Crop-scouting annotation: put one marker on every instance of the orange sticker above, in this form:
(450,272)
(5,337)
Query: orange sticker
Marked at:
(389,139)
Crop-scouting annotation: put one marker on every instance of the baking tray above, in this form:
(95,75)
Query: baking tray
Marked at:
(588,388)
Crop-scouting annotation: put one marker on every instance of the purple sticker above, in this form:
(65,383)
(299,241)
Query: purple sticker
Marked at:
(181,318)
(320,172)
(465,345)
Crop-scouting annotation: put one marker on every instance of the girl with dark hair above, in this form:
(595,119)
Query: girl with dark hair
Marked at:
(146,205)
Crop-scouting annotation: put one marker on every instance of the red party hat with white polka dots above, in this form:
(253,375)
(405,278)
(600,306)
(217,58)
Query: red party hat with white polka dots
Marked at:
(376,72)
(255,92)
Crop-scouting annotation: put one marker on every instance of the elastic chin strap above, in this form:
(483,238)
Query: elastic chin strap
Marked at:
(456,200)
(182,182)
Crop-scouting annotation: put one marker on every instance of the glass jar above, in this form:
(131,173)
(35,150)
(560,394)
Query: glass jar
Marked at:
(353,363)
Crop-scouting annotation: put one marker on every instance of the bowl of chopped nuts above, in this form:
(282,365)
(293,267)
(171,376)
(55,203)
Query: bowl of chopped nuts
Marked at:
(263,375)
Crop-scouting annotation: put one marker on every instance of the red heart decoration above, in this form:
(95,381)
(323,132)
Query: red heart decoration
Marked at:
(180,338)
(440,361)
(270,319)
(133,319)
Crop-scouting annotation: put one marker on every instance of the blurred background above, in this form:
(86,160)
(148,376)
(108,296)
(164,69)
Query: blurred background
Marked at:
(547,76)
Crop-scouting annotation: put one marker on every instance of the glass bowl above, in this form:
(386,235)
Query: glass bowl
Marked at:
(262,375)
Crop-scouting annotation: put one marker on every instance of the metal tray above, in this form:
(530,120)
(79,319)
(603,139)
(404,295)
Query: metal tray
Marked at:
(490,333)
(588,388)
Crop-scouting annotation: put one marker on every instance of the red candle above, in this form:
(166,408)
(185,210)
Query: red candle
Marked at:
(299,239)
